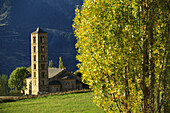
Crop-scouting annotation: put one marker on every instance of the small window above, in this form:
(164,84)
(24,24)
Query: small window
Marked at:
(42,74)
(34,66)
(42,39)
(34,39)
(34,82)
(42,66)
(43,57)
(34,57)
(42,82)
(42,48)
(34,74)
(34,49)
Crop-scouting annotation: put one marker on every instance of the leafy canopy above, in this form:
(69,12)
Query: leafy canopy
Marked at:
(122,50)
(3,84)
(17,78)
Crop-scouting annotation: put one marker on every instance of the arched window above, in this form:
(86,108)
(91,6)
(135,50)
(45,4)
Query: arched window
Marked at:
(42,39)
(34,57)
(34,66)
(42,74)
(34,39)
(42,48)
(34,74)
(43,57)
(34,49)
(42,66)
(42,82)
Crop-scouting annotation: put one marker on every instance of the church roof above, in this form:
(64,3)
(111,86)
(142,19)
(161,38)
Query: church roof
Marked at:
(67,76)
(53,72)
(39,30)
(60,73)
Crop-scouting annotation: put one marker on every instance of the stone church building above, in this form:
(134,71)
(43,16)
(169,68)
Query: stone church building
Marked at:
(44,79)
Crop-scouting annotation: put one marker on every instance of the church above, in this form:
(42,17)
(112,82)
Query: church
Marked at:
(44,79)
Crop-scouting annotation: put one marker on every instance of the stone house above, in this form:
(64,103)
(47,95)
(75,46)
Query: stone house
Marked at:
(59,80)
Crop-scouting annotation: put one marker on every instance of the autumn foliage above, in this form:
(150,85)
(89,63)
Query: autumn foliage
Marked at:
(123,53)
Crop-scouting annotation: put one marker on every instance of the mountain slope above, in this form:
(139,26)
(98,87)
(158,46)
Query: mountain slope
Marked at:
(4,12)
(53,16)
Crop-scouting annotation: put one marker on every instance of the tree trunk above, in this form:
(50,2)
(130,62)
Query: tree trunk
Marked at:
(145,75)
(152,63)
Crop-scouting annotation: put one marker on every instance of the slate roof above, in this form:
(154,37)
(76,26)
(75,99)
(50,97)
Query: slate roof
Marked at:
(60,73)
(67,76)
(54,82)
(53,72)
(39,30)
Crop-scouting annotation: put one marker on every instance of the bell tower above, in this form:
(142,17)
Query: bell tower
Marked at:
(39,61)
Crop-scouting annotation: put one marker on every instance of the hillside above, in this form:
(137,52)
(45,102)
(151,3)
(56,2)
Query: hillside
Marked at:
(19,18)
(79,103)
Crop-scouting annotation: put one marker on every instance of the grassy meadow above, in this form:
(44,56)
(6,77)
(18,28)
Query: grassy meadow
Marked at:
(70,103)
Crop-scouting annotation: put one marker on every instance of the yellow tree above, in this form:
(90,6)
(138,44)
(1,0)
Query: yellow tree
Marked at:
(122,47)
(60,66)
(50,64)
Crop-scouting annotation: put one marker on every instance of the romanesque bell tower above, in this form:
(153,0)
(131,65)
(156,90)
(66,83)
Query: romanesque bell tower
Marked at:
(39,61)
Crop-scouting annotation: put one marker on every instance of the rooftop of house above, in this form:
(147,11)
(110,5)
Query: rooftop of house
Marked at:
(61,74)
(67,76)
(53,72)
(39,30)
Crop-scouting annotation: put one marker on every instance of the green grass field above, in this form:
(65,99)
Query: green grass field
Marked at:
(71,103)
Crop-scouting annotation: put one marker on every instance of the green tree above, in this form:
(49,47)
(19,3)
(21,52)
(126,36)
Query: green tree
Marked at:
(122,50)
(3,84)
(17,78)
(60,63)
(50,64)
(29,70)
